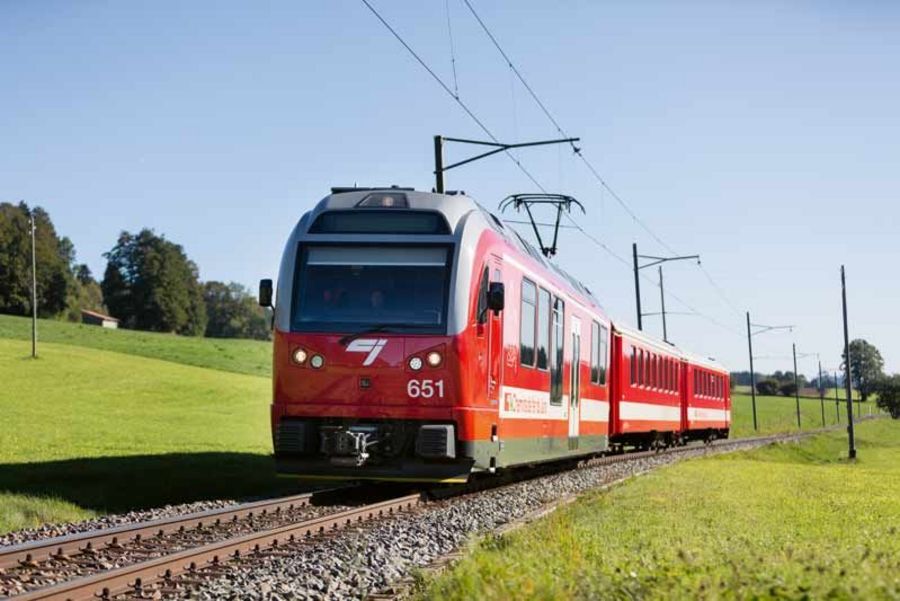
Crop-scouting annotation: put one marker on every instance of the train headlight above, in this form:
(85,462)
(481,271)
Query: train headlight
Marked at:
(415,363)
(299,356)
(317,361)
(434,358)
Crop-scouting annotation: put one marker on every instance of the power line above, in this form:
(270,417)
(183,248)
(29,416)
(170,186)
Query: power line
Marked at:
(450,92)
(579,152)
(521,167)
(452,49)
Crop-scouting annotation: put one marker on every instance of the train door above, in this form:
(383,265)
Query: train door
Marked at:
(495,340)
(575,384)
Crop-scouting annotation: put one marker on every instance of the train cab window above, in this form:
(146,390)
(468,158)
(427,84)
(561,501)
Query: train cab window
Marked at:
(526,329)
(543,329)
(556,352)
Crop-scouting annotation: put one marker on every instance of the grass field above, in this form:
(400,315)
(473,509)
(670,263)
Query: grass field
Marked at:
(794,521)
(181,418)
(252,357)
(86,430)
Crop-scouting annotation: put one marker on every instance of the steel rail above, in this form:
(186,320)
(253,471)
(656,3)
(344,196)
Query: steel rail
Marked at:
(62,546)
(137,576)
(110,583)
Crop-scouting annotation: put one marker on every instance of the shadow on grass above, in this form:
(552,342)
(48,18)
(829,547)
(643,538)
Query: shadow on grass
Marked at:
(116,484)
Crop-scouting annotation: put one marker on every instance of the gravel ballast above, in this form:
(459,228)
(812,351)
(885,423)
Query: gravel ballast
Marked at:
(357,562)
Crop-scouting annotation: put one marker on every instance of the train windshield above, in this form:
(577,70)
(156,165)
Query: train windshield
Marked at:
(351,288)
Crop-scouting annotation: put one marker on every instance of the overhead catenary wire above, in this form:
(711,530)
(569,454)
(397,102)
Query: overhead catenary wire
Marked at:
(518,163)
(450,93)
(452,49)
(581,155)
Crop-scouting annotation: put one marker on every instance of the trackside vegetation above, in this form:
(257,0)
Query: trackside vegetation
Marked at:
(111,420)
(252,357)
(87,431)
(793,521)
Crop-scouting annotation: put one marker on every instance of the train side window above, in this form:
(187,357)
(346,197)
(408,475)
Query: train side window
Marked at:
(633,366)
(481,310)
(526,328)
(543,329)
(645,370)
(603,352)
(640,371)
(556,352)
(667,374)
(664,369)
(595,352)
(696,383)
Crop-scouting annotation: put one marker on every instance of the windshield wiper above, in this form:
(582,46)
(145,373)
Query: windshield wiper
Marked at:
(381,327)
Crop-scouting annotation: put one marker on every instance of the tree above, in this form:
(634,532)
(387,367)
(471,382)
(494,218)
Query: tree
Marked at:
(888,390)
(150,284)
(866,366)
(233,312)
(767,387)
(787,388)
(86,295)
(54,257)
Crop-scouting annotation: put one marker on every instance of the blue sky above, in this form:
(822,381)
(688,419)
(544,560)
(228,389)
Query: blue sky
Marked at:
(761,135)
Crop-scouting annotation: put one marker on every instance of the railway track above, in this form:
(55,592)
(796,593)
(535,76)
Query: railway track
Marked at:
(167,557)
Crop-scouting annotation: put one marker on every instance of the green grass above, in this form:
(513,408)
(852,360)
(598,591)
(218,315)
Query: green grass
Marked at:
(251,357)
(86,431)
(794,521)
(776,414)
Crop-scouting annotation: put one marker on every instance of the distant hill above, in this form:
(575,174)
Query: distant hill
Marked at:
(251,357)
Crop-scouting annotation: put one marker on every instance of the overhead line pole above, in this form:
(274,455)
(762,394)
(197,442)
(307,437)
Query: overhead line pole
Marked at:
(821,390)
(796,385)
(637,285)
(752,376)
(33,227)
(837,401)
(637,282)
(750,335)
(662,304)
(851,438)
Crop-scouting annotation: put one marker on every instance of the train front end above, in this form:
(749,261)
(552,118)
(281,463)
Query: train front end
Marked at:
(366,377)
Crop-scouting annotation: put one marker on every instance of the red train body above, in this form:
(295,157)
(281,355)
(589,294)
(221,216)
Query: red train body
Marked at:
(417,338)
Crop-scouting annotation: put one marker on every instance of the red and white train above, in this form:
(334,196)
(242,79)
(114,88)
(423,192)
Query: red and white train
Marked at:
(418,338)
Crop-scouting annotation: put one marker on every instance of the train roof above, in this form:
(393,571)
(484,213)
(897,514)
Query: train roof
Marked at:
(454,206)
(670,348)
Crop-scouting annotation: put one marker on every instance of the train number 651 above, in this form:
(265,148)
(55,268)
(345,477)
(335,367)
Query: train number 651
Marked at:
(425,388)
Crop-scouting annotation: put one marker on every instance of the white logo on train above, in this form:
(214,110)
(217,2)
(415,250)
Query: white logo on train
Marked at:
(372,346)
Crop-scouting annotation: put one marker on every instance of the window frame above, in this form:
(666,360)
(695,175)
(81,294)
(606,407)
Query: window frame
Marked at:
(522,322)
(537,328)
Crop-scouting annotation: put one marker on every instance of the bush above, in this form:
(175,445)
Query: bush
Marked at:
(888,390)
(767,387)
(788,389)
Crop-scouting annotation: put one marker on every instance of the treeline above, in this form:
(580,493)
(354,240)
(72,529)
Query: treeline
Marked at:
(149,282)
(866,375)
